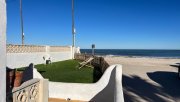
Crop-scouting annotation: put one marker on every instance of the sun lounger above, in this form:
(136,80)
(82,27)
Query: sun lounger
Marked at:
(84,63)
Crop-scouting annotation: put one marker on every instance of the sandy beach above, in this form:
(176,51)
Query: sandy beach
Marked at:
(148,79)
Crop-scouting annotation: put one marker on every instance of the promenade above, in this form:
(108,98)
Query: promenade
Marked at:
(148,79)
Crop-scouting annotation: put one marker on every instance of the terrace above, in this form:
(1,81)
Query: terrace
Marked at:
(34,88)
(85,84)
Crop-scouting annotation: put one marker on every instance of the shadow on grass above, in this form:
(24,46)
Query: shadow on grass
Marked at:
(41,71)
(96,74)
(135,88)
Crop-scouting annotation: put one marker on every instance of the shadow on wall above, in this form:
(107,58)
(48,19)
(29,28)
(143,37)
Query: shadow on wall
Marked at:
(169,87)
(107,94)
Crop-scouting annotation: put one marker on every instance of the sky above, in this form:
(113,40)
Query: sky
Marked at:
(109,24)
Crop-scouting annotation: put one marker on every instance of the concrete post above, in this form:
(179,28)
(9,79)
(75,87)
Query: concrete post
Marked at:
(72,52)
(47,49)
(119,97)
(2,51)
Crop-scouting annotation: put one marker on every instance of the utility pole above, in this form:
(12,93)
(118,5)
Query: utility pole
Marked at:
(73,31)
(73,28)
(22,27)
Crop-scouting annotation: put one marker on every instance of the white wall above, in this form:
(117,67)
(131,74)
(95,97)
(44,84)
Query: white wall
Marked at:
(17,60)
(2,51)
(60,56)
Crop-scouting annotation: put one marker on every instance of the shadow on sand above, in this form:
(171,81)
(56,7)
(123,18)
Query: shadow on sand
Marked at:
(169,87)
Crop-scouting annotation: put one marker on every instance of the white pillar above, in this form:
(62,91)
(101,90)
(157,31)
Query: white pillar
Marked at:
(72,52)
(2,51)
(43,90)
(47,49)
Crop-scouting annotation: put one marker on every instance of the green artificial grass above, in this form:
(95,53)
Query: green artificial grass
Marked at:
(66,71)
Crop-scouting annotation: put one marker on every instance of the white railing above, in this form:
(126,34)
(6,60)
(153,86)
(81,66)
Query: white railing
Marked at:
(24,48)
(35,90)
(28,92)
(35,48)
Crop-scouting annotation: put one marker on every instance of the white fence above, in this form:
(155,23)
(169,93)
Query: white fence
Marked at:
(23,55)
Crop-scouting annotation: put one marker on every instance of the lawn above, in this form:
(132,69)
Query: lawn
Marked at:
(66,71)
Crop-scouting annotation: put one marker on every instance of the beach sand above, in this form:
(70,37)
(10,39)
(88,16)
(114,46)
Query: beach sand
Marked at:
(148,79)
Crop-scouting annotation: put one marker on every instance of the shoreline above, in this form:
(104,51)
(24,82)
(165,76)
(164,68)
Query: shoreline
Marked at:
(168,54)
(126,56)
(142,61)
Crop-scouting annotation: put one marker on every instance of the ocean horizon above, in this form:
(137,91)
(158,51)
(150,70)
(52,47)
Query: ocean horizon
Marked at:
(159,53)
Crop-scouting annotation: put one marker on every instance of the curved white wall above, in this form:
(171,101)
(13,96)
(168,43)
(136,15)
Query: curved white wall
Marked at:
(107,89)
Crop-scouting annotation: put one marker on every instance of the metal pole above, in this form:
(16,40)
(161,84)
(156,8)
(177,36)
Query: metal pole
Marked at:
(93,51)
(22,29)
(73,30)
(93,47)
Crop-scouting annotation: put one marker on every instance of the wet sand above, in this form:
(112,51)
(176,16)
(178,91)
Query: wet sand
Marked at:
(148,79)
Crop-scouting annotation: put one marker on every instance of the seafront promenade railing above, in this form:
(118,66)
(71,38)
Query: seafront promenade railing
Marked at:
(24,48)
(35,48)
(97,61)
(35,90)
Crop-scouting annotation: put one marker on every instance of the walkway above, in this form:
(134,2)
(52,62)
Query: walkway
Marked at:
(149,79)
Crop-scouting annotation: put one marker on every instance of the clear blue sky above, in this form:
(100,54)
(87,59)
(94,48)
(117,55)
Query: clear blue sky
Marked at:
(117,24)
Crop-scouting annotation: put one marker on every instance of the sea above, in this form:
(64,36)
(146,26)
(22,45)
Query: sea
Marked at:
(134,53)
